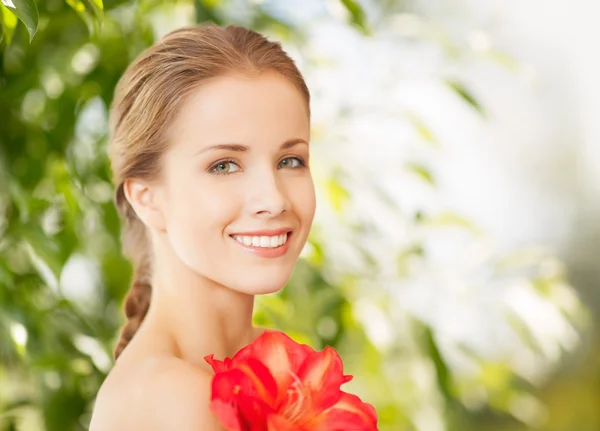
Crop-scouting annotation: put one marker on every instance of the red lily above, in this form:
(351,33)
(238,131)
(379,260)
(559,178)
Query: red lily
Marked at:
(276,384)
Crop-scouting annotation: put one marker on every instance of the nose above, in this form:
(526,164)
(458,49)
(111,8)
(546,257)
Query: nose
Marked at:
(267,196)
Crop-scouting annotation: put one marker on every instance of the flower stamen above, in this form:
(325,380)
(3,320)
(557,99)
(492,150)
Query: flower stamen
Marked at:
(299,400)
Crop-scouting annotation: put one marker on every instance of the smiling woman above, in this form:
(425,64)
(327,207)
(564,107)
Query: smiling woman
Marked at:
(209,146)
(266,186)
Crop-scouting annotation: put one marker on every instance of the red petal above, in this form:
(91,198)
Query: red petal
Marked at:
(250,388)
(253,412)
(322,373)
(227,384)
(216,365)
(263,381)
(353,403)
(280,354)
(341,420)
(227,415)
(350,412)
(275,347)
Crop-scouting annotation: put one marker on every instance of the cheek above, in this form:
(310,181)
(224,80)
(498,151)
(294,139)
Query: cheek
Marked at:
(196,218)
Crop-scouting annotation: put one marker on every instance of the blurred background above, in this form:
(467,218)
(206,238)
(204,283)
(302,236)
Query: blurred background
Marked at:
(454,259)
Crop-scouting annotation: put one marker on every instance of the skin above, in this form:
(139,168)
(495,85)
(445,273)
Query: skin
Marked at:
(204,283)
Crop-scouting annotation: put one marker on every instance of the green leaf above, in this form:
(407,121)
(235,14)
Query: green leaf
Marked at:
(357,15)
(205,11)
(421,128)
(15,404)
(90,11)
(444,376)
(338,195)
(450,219)
(26,11)
(98,6)
(45,248)
(422,172)
(62,408)
(95,9)
(465,94)
(1,25)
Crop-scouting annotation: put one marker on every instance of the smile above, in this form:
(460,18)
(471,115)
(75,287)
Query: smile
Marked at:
(266,246)
(262,241)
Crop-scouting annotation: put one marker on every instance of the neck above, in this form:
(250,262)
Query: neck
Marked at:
(197,316)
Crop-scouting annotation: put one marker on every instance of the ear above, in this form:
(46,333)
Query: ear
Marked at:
(142,196)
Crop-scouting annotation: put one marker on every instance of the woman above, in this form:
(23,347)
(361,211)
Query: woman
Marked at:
(209,147)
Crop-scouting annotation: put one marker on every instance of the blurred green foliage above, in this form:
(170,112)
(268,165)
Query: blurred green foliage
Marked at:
(62,275)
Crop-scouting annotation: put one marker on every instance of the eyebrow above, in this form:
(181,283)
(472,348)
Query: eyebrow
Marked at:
(242,148)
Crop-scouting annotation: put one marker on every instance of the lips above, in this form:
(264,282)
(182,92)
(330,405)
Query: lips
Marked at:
(274,245)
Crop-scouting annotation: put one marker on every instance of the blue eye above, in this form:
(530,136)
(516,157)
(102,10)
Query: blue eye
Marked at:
(224,167)
(292,163)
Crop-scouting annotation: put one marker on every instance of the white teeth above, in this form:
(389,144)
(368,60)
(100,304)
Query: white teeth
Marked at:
(262,241)
(274,241)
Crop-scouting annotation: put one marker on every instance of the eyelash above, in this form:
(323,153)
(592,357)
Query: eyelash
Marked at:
(211,170)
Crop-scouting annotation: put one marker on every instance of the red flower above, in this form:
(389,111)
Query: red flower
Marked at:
(276,384)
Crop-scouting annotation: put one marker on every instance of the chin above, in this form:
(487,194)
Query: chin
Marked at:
(260,286)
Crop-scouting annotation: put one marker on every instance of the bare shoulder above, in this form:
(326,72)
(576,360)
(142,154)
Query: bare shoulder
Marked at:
(164,394)
(177,397)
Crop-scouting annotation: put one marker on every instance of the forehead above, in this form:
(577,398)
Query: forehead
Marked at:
(265,108)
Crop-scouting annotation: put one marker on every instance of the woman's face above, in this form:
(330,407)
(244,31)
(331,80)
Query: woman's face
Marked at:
(236,192)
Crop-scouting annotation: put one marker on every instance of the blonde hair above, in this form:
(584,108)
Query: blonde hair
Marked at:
(147,99)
